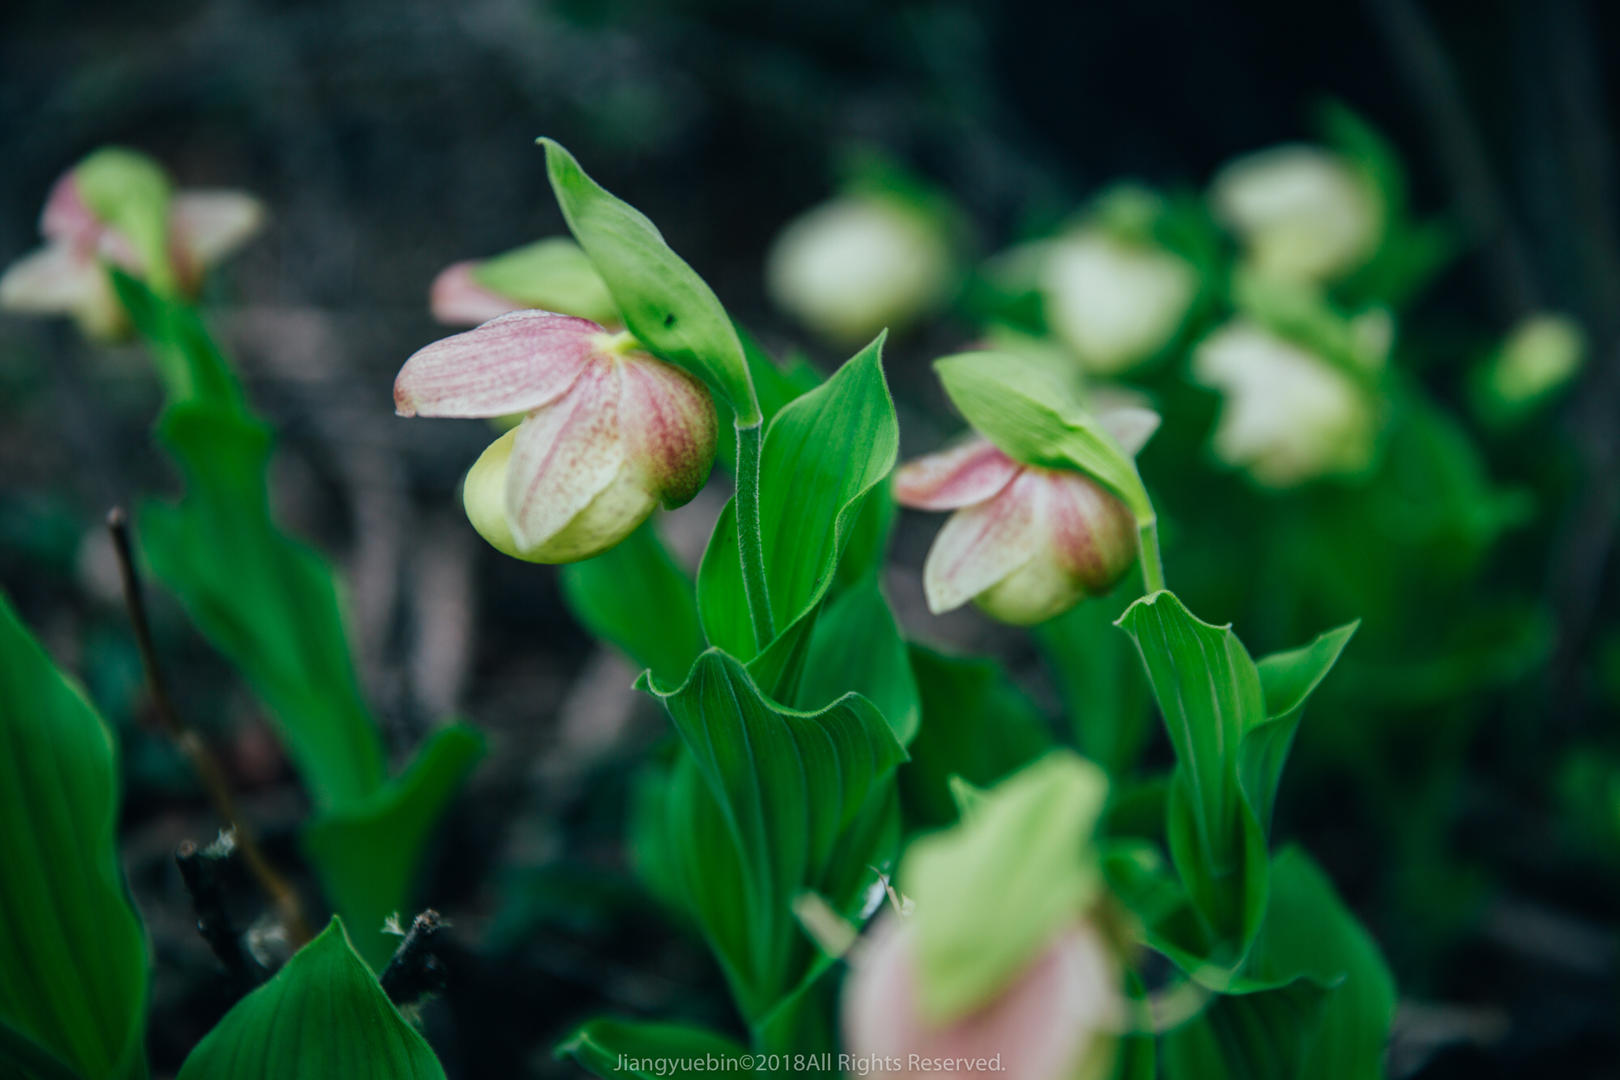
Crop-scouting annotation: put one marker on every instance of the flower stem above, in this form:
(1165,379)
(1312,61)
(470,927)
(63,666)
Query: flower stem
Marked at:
(1152,561)
(750,542)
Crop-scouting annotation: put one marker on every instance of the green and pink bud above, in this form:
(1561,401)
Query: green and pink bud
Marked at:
(608,432)
(1024,543)
(1057,1019)
(116,208)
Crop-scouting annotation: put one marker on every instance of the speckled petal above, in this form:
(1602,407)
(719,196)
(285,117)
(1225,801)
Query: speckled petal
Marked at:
(515,363)
(565,455)
(951,479)
(670,426)
(982,544)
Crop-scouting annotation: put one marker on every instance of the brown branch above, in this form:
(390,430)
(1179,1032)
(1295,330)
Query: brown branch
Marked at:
(200,870)
(202,759)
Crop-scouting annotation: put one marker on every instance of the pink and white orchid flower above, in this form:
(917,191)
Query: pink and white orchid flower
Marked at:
(553,274)
(1058,1019)
(609,432)
(1025,543)
(66,275)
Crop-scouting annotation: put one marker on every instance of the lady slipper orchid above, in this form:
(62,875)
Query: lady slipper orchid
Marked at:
(608,433)
(66,276)
(1303,213)
(1290,416)
(1025,543)
(1056,1020)
(1113,301)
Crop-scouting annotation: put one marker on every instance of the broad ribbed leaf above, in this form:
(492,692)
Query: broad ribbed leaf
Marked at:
(856,646)
(368,853)
(1209,692)
(976,725)
(636,597)
(992,890)
(1287,680)
(822,454)
(664,302)
(763,806)
(1315,998)
(323,1017)
(72,953)
(637,1050)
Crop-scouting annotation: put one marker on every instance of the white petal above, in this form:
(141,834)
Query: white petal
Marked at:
(1131,427)
(512,364)
(564,456)
(950,479)
(984,543)
(54,280)
(208,225)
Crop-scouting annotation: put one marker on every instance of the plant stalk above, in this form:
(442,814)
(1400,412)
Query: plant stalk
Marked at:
(1152,561)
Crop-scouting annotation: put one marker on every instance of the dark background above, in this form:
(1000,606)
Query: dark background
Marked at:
(390,139)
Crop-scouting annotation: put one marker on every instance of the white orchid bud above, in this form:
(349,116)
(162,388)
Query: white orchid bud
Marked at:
(854,265)
(1058,1019)
(608,432)
(115,208)
(1289,415)
(1024,543)
(1302,212)
(551,275)
(1539,357)
(1113,301)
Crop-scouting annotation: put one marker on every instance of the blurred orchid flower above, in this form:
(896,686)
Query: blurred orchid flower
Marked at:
(1290,416)
(609,432)
(1023,542)
(552,275)
(1540,357)
(1303,212)
(859,263)
(1115,302)
(115,208)
(1056,1020)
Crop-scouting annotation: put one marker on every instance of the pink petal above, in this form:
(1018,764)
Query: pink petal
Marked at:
(1092,533)
(982,544)
(669,425)
(54,280)
(1055,1014)
(950,479)
(457,299)
(515,363)
(565,455)
(208,225)
(1131,426)
(67,217)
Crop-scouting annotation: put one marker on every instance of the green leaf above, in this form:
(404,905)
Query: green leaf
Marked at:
(553,274)
(323,1017)
(1315,999)
(188,362)
(267,602)
(637,598)
(368,853)
(72,949)
(1099,678)
(638,1050)
(664,302)
(992,890)
(1287,680)
(976,725)
(763,806)
(823,453)
(1035,416)
(856,646)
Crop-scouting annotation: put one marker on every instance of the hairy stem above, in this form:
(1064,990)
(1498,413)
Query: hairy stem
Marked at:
(1152,561)
(750,541)
(202,759)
